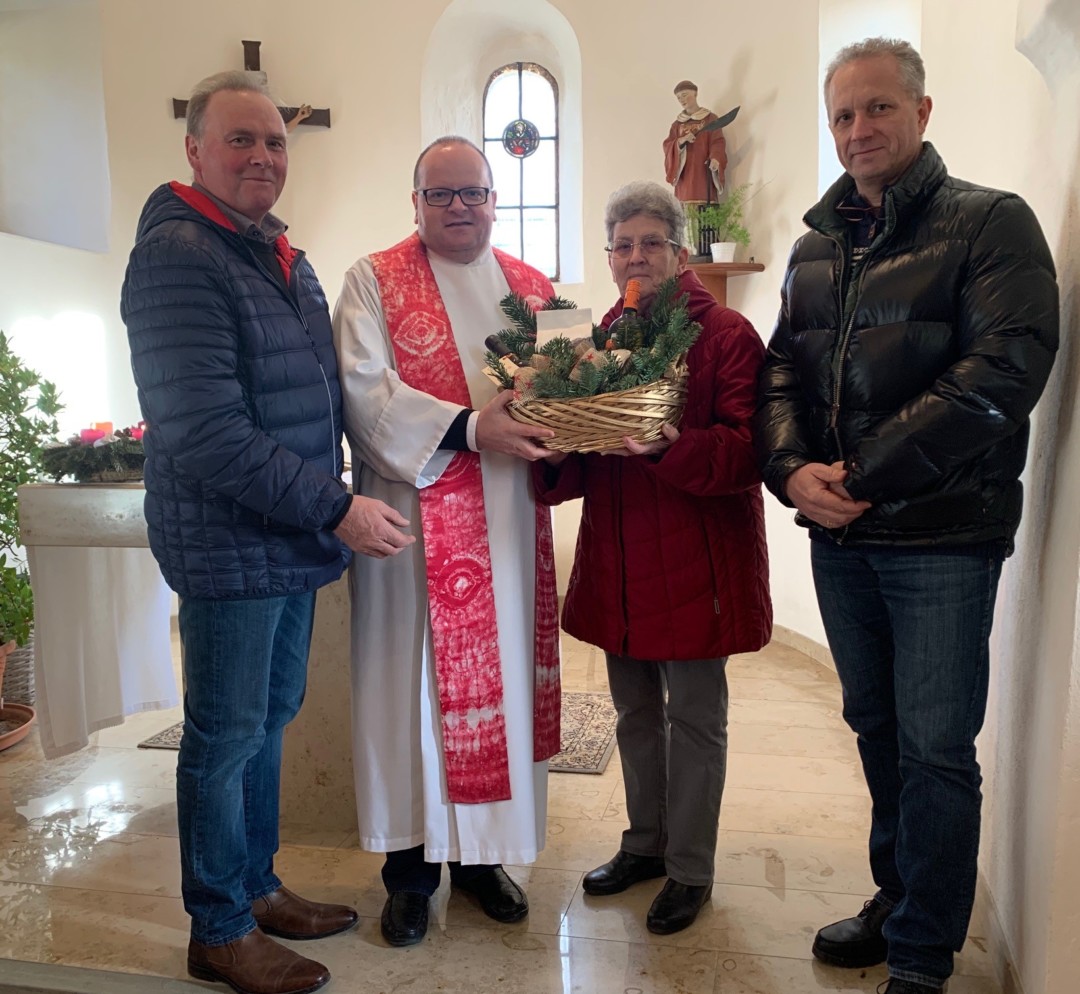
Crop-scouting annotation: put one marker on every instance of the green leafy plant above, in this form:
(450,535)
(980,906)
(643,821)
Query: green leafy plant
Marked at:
(16,603)
(723,221)
(28,409)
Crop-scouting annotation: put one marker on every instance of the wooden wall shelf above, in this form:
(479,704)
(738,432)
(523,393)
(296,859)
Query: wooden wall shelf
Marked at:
(714,275)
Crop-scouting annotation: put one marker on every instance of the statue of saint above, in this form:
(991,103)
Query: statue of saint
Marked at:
(694,160)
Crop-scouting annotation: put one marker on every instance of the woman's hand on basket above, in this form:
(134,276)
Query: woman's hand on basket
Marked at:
(632,448)
(496,431)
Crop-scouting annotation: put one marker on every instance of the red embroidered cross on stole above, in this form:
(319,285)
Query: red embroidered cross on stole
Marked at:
(461,600)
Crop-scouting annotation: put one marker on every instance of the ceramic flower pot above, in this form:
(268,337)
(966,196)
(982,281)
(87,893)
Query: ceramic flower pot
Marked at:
(15,719)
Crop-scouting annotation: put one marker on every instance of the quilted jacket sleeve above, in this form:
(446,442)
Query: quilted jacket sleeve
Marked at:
(182,327)
(555,484)
(780,424)
(717,458)
(1008,333)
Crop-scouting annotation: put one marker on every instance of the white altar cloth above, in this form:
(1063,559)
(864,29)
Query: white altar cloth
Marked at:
(101,611)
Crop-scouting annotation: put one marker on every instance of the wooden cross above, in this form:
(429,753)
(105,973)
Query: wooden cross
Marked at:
(319,117)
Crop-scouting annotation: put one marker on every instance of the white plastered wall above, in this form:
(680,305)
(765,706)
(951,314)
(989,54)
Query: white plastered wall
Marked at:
(1005,121)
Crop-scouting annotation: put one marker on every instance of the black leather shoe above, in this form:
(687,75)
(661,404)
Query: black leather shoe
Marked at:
(895,986)
(404,918)
(499,896)
(855,942)
(621,871)
(676,907)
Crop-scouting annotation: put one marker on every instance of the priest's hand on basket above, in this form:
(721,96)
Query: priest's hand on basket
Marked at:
(369,528)
(496,431)
(632,448)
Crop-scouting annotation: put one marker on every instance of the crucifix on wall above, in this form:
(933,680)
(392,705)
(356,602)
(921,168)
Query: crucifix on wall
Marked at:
(304,114)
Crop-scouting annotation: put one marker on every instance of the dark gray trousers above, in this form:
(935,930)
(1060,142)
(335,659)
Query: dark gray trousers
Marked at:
(672,735)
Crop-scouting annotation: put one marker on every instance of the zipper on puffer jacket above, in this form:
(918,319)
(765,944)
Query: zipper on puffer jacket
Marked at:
(616,517)
(848,302)
(712,567)
(294,302)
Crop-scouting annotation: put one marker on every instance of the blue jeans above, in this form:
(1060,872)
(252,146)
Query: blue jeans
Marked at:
(909,631)
(245,671)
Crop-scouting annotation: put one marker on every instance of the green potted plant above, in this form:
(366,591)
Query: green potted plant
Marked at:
(721,224)
(15,719)
(28,409)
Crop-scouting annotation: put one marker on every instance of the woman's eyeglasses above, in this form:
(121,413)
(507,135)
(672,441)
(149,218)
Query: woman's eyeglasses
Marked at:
(653,245)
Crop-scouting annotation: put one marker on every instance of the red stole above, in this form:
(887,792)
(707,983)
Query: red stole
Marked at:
(461,599)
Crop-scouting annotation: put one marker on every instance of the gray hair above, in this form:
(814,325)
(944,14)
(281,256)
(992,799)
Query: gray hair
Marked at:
(449,140)
(236,80)
(910,63)
(650,199)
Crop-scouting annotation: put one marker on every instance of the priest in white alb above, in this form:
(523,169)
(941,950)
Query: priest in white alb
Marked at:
(455,666)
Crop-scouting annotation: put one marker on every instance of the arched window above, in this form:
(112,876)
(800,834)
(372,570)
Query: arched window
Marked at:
(521,141)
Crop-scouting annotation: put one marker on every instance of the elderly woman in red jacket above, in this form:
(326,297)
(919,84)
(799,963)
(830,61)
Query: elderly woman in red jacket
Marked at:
(671,573)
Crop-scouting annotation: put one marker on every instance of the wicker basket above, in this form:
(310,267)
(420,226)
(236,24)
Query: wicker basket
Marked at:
(596,424)
(18,685)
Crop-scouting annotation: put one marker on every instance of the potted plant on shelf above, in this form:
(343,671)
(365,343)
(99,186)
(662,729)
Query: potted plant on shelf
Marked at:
(721,226)
(28,409)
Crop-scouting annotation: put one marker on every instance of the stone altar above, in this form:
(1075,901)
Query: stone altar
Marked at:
(115,635)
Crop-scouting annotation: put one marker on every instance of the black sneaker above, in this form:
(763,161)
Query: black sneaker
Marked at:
(855,942)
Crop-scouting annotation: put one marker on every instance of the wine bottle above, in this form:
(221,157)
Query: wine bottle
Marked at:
(625,331)
(509,362)
(495,344)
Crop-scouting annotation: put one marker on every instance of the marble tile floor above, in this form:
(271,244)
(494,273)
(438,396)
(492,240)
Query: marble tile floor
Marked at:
(90,884)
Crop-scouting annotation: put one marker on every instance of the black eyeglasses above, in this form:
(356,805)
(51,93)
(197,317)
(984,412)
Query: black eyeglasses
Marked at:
(471,196)
(651,245)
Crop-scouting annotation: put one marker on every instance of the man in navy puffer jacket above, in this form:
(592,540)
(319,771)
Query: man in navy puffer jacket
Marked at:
(232,351)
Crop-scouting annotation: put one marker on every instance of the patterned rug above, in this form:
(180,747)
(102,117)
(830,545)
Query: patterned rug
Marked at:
(588,734)
(168,739)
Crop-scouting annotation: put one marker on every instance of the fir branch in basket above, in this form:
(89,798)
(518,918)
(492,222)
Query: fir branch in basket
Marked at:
(503,377)
(122,458)
(517,309)
(521,338)
(666,333)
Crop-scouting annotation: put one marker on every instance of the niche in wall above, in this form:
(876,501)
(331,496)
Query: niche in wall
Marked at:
(54,167)
(472,39)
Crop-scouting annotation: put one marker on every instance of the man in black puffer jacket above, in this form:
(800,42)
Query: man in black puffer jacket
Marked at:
(918,326)
(233,356)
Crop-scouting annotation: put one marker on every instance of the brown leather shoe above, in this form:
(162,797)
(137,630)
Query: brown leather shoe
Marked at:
(290,916)
(256,964)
